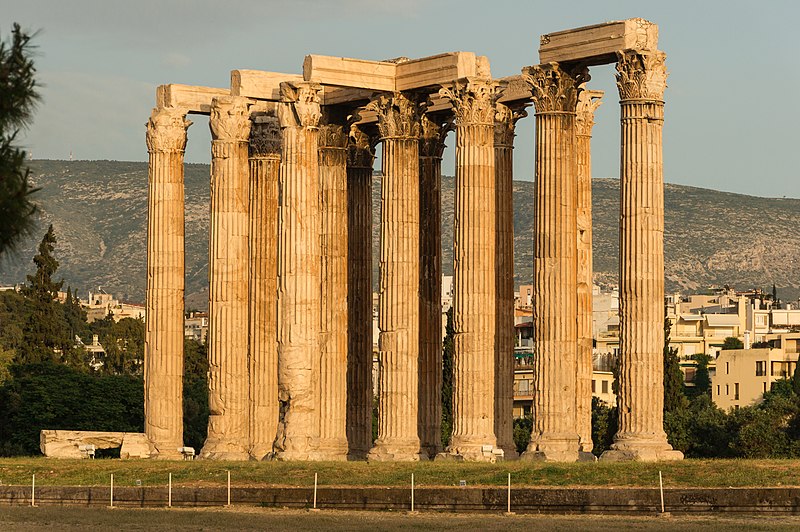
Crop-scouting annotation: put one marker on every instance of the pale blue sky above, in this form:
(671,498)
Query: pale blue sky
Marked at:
(731,123)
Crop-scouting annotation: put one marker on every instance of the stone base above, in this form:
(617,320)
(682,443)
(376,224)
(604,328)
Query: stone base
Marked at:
(357,455)
(641,448)
(586,457)
(388,452)
(641,455)
(474,453)
(553,448)
(447,457)
(260,452)
(432,452)
(223,451)
(510,453)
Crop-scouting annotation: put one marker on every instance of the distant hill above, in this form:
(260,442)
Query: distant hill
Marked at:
(99,211)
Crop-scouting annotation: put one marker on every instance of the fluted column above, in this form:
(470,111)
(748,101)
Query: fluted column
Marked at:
(474,271)
(265,158)
(434,129)
(398,313)
(588,101)
(555,434)
(298,273)
(360,156)
(641,80)
(163,353)
(333,293)
(505,122)
(228,305)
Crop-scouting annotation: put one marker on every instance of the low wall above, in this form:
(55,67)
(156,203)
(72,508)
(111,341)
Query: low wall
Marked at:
(523,500)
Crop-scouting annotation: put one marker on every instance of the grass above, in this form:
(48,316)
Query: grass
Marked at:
(688,473)
(80,519)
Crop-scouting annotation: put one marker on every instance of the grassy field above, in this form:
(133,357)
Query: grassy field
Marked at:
(688,473)
(81,519)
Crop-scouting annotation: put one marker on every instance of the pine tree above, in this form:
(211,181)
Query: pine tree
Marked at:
(447,379)
(47,334)
(674,398)
(18,98)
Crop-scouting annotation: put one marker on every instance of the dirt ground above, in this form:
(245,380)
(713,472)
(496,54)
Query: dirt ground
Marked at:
(68,519)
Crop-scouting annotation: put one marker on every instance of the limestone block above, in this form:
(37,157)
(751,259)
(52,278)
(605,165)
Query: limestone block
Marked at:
(598,44)
(192,98)
(66,443)
(439,70)
(375,75)
(259,84)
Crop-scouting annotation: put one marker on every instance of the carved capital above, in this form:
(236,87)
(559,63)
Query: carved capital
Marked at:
(166,130)
(473,101)
(435,128)
(555,89)
(332,136)
(399,115)
(588,102)
(641,76)
(230,119)
(360,148)
(505,122)
(265,138)
(300,104)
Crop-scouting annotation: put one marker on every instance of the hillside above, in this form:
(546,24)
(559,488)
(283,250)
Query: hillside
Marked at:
(99,210)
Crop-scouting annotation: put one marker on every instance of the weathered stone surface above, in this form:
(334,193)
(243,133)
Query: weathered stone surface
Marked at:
(66,443)
(190,98)
(641,81)
(598,44)
(163,358)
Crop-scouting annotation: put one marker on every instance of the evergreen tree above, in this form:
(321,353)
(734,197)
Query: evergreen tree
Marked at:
(46,334)
(796,380)
(447,379)
(702,379)
(18,98)
(674,398)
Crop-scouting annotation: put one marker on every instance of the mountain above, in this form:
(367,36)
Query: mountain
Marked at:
(99,212)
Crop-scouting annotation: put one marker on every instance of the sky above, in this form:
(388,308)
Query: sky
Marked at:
(730,121)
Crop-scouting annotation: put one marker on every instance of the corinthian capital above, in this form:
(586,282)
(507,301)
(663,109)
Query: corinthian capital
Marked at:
(265,137)
(230,119)
(360,148)
(398,115)
(641,76)
(435,128)
(166,130)
(300,104)
(554,88)
(505,122)
(473,101)
(588,102)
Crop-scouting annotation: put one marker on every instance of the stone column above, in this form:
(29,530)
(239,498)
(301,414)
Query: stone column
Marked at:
(398,313)
(588,101)
(555,92)
(163,353)
(265,158)
(298,272)
(505,122)
(360,156)
(641,79)
(474,271)
(228,305)
(434,130)
(333,294)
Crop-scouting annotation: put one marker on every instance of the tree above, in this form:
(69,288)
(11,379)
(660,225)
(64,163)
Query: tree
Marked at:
(448,350)
(46,333)
(604,425)
(674,398)
(18,98)
(796,380)
(702,379)
(731,342)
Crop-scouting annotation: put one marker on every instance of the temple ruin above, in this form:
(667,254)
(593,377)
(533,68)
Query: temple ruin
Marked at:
(290,261)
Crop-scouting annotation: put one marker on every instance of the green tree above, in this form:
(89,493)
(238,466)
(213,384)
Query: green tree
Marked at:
(448,350)
(731,342)
(522,432)
(674,398)
(46,333)
(604,425)
(702,379)
(796,381)
(18,99)
(195,393)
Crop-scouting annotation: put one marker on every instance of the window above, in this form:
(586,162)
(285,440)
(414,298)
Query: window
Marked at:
(594,386)
(717,389)
(764,387)
(761,368)
(735,391)
(727,368)
(727,390)
(605,386)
